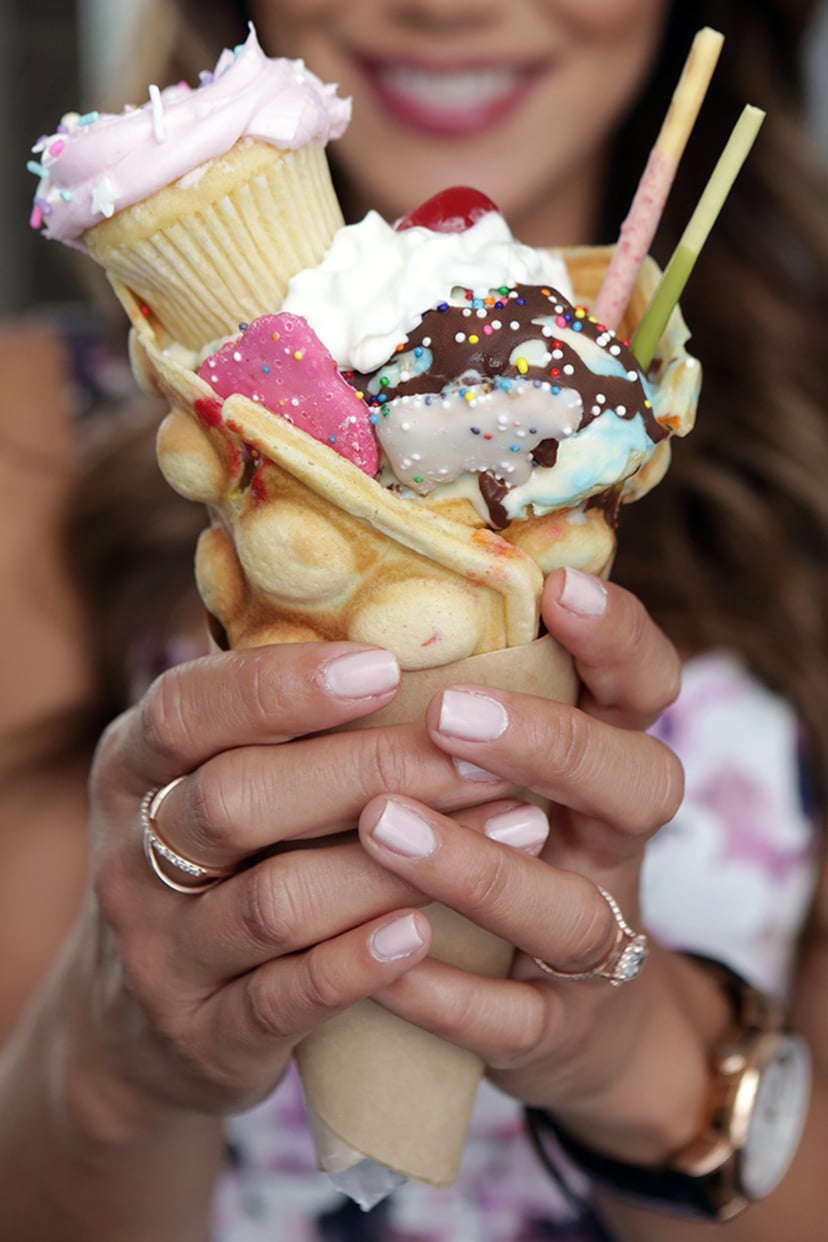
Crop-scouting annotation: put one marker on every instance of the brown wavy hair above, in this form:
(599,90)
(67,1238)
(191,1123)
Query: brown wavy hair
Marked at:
(731,551)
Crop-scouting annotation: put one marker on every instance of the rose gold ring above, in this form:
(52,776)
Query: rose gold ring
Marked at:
(624,960)
(157,849)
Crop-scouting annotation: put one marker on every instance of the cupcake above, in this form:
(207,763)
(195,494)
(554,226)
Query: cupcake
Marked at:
(204,201)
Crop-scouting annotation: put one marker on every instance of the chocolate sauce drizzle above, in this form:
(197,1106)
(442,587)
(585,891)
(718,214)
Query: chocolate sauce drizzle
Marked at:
(460,345)
(493,489)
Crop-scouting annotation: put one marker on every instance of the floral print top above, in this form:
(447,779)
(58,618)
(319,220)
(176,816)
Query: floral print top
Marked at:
(731,876)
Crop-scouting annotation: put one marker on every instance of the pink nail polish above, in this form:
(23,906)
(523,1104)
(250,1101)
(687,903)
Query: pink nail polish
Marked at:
(397,939)
(583,594)
(472,717)
(361,674)
(523,828)
(404,832)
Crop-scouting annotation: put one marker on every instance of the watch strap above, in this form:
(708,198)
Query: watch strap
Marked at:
(669,1188)
(672,1190)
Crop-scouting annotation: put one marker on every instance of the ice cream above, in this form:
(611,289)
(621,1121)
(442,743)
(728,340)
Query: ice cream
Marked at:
(517,401)
(502,392)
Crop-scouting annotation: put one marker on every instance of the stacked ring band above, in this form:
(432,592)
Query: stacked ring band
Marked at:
(624,960)
(157,849)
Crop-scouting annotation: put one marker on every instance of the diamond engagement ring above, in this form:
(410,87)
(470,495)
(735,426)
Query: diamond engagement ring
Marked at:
(624,960)
(156,849)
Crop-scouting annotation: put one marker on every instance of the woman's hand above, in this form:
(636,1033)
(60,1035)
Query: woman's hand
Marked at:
(198,1000)
(561,1044)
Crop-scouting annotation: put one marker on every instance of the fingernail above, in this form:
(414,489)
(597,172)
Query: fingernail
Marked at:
(472,717)
(400,830)
(525,827)
(397,939)
(583,594)
(471,772)
(361,674)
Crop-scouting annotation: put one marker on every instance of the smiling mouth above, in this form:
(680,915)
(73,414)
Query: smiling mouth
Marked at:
(449,101)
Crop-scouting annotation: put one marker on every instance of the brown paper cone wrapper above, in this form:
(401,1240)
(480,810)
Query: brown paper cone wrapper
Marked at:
(382,1088)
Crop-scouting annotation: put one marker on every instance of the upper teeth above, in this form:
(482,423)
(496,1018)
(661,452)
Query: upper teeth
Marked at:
(469,88)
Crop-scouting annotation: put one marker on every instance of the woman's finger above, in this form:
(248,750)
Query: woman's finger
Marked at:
(623,779)
(554,915)
(264,695)
(248,799)
(284,905)
(298,898)
(286,998)
(500,1020)
(629,669)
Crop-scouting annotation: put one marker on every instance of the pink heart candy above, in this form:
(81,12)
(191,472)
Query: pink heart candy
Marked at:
(279,362)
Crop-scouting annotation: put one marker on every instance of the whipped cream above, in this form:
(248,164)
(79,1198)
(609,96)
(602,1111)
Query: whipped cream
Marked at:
(98,164)
(374,283)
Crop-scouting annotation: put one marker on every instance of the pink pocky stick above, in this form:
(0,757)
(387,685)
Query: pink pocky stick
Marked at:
(639,227)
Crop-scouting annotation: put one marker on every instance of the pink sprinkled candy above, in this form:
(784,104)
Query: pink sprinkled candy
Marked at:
(280,362)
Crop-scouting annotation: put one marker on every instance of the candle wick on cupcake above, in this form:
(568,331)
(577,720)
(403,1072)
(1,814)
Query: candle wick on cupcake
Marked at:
(159,127)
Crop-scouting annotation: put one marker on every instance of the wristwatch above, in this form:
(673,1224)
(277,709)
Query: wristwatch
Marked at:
(760,1087)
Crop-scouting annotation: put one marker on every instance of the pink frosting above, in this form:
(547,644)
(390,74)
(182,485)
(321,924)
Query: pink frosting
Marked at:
(280,362)
(98,164)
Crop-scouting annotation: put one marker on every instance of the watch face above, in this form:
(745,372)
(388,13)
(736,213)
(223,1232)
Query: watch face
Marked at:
(779,1112)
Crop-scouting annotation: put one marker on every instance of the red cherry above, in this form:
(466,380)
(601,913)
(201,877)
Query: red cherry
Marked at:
(451,211)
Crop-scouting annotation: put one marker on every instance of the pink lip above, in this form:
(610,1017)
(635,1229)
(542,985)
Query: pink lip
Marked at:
(439,116)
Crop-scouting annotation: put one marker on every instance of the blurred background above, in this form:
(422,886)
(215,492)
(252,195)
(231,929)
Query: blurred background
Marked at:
(64,55)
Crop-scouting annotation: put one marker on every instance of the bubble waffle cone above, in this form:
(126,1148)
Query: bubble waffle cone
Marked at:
(210,250)
(304,546)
